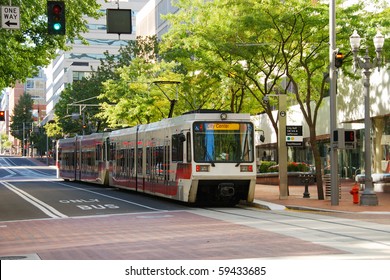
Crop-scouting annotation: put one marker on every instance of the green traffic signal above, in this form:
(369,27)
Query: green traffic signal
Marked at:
(56,17)
(57,26)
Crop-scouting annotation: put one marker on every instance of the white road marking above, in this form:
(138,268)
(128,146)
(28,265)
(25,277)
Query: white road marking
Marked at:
(111,197)
(45,208)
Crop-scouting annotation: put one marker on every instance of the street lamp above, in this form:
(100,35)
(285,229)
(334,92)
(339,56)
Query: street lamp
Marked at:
(368,197)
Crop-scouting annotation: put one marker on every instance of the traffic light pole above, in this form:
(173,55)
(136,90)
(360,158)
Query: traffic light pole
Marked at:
(334,190)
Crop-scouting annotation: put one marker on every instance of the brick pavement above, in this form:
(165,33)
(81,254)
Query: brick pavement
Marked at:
(270,194)
(171,236)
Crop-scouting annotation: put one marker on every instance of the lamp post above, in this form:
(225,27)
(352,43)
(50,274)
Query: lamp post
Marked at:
(368,197)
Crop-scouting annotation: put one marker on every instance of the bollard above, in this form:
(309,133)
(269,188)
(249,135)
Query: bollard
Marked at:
(306,179)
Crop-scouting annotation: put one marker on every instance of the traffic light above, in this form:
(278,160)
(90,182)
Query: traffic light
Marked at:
(56,17)
(339,60)
(2,116)
(344,139)
(349,136)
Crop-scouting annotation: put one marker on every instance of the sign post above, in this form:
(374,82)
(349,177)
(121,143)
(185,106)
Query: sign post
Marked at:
(10,17)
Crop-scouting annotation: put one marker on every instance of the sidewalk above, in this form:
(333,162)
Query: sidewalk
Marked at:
(267,196)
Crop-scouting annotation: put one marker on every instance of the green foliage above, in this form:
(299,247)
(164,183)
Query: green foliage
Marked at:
(53,129)
(265,47)
(38,139)
(111,87)
(291,167)
(227,55)
(139,96)
(5,143)
(265,165)
(23,51)
(22,118)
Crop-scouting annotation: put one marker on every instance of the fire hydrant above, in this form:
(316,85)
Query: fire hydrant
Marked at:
(355,193)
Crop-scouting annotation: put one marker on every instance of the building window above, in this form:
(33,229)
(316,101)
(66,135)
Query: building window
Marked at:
(78,76)
(30,84)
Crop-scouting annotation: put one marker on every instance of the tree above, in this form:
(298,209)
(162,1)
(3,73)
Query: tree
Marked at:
(265,47)
(24,50)
(22,118)
(5,144)
(201,39)
(92,90)
(135,98)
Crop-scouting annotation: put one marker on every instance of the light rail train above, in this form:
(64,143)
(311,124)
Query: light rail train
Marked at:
(199,158)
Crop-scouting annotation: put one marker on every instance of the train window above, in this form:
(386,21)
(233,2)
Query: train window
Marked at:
(98,152)
(131,158)
(112,151)
(177,147)
(159,155)
(223,142)
(139,161)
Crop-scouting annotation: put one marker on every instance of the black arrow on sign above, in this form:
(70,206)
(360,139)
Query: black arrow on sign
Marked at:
(11,23)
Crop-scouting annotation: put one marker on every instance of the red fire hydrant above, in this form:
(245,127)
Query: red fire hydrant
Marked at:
(355,193)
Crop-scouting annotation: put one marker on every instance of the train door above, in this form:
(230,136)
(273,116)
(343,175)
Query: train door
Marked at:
(150,166)
(111,150)
(154,166)
(166,161)
(105,161)
(139,168)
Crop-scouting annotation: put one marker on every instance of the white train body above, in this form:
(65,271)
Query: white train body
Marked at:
(204,158)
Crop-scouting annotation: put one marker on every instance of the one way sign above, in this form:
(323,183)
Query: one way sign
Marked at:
(10,17)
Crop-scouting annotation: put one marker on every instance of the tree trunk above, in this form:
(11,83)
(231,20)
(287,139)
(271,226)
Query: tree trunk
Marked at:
(318,166)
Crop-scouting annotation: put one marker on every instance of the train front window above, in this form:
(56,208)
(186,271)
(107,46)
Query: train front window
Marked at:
(223,142)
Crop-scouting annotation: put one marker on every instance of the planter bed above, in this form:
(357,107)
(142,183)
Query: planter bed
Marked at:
(273,178)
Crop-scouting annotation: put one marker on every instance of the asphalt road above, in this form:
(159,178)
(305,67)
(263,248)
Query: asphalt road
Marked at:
(29,191)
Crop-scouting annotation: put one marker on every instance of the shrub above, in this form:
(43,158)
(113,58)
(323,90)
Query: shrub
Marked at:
(291,167)
(265,165)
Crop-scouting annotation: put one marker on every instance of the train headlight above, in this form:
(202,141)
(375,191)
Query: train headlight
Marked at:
(202,168)
(246,168)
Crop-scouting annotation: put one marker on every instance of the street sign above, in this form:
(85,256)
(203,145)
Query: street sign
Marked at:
(10,17)
(119,21)
(294,135)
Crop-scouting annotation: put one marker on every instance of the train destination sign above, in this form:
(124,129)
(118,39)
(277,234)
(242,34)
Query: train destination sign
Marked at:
(223,126)
(294,135)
